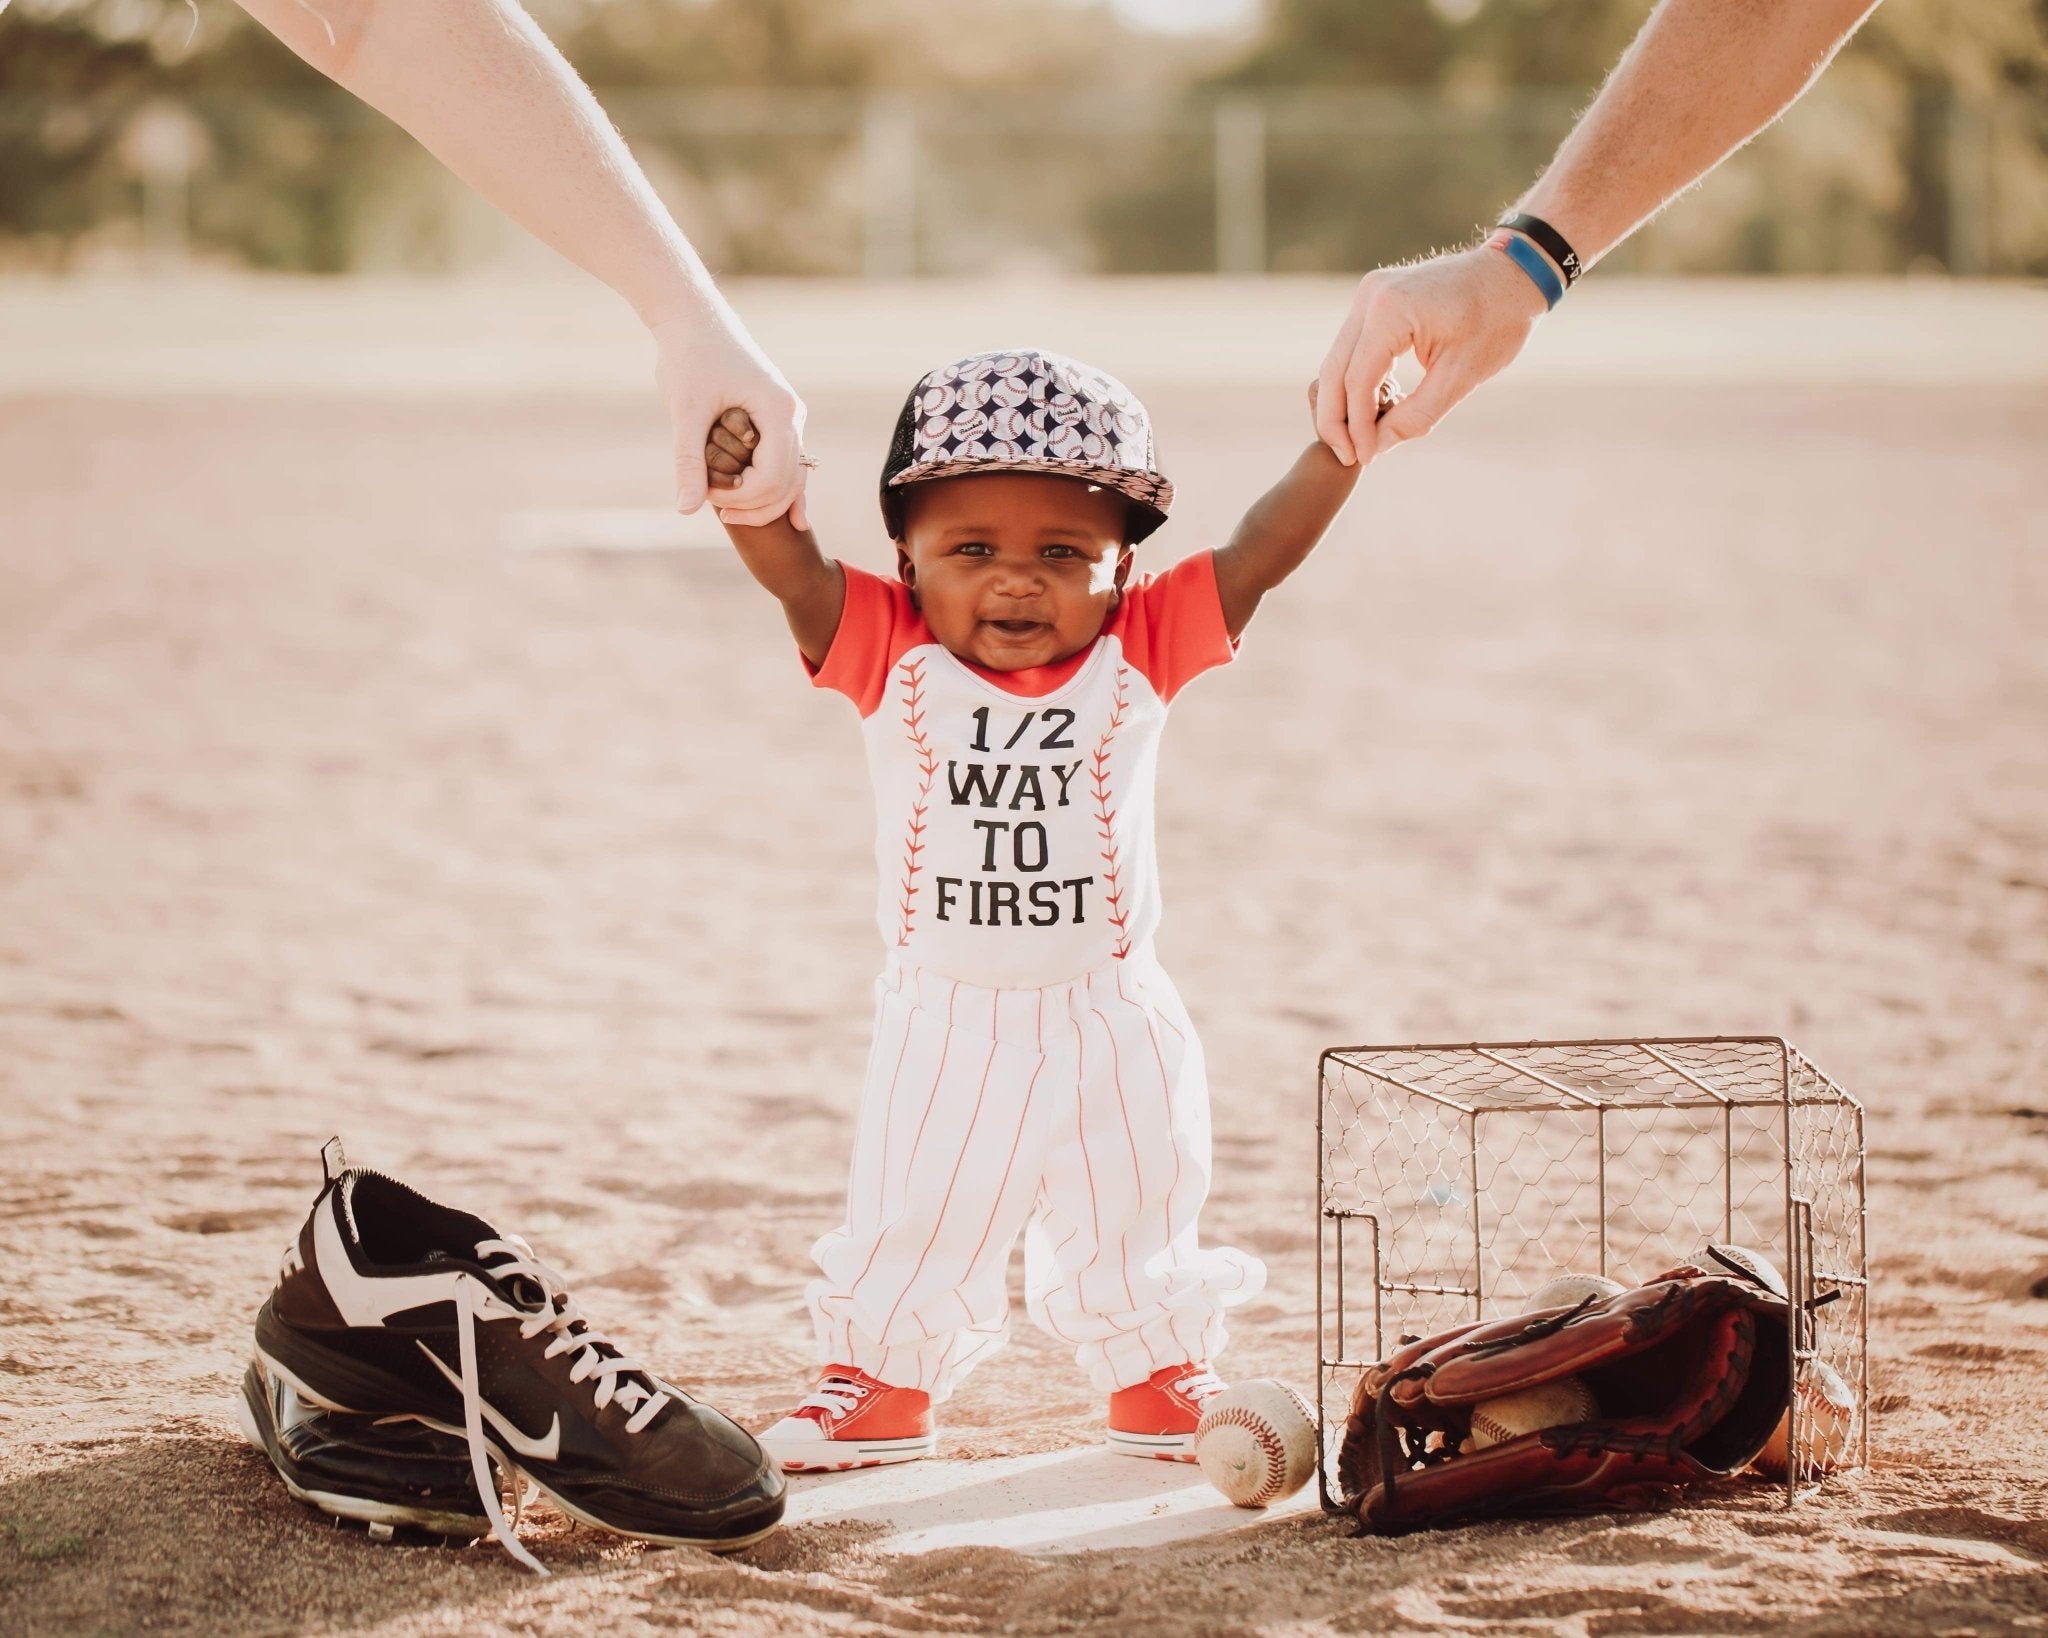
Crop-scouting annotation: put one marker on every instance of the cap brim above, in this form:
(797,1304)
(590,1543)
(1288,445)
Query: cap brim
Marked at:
(1143,487)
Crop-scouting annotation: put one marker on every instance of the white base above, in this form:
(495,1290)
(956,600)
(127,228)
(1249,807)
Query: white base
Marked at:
(1081,1500)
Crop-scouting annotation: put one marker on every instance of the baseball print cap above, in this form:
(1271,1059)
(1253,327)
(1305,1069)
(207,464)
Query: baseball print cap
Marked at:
(1026,411)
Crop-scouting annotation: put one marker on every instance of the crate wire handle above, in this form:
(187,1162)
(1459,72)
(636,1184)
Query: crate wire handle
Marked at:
(1336,1360)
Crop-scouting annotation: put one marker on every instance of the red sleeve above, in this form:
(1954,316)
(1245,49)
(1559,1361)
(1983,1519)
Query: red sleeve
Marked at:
(877,626)
(1171,625)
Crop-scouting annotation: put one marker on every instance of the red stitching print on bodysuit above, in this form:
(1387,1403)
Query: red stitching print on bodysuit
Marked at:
(1105,815)
(928,766)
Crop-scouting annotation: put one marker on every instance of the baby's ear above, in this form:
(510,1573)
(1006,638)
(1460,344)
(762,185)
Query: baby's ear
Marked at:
(1125,557)
(906,571)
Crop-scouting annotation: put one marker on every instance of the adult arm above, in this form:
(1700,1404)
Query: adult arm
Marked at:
(1701,79)
(480,86)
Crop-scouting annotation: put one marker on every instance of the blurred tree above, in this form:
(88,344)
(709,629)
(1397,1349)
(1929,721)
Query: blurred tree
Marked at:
(75,76)
(58,172)
(1468,97)
(1339,42)
(300,175)
(1394,125)
(1947,58)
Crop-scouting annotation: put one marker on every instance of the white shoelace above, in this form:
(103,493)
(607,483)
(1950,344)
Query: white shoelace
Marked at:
(617,1377)
(835,1395)
(1199,1385)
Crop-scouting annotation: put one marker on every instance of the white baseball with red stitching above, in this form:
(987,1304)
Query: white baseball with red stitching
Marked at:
(1547,1405)
(1257,1443)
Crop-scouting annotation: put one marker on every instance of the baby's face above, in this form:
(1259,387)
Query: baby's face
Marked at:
(1013,569)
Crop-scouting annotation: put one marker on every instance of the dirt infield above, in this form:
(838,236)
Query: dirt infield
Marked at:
(1639,706)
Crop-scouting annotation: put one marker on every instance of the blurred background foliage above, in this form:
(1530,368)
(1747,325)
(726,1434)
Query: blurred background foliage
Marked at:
(984,136)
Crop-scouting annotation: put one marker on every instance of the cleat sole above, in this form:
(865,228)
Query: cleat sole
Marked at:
(376,1515)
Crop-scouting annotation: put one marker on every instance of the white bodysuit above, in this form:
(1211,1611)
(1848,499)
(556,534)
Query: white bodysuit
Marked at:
(1032,1066)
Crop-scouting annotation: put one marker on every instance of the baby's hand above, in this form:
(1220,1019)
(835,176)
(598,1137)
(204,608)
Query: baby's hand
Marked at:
(1388,397)
(729,448)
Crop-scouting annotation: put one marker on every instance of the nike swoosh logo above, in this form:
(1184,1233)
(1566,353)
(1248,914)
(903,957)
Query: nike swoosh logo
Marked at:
(545,1449)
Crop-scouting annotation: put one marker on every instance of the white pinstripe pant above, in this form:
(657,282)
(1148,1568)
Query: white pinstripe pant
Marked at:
(1082,1110)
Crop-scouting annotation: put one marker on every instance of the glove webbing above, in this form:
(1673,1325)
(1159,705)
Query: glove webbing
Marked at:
(1394,1439)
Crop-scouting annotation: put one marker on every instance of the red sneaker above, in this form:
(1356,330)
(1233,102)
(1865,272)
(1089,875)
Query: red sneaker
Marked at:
(1158,1417)
(851,1420)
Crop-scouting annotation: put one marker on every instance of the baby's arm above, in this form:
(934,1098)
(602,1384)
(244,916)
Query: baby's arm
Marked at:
(784,558)
(1282,528)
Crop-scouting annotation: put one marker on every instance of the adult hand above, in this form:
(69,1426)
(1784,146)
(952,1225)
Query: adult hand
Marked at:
(706,364)
(1464,316)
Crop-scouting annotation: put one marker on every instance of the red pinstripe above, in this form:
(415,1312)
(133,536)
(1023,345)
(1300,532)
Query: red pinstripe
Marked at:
(1116,1075)
(942,1347)
(1049,1320)
(1166,1101)
(1169,1023)
(959,1160)
(1075,1230)
(889,1119)
(1173,1138)
(1016,1143)
(882,1231)
(1087,1166)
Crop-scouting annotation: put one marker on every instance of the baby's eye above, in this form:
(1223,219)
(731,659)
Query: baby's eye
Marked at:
(1061,551)
(973,548)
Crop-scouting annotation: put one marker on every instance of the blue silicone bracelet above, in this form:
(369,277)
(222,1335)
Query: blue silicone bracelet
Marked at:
(1530,260)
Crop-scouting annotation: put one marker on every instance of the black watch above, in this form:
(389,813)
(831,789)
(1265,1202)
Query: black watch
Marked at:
(1548,240)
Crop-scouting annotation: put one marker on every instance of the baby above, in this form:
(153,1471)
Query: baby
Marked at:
(1032,1068)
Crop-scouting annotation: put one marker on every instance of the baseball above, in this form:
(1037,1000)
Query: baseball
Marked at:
(1569,1290)
(1716,1258)
(1547,1405)
(1257,1442)
(1829,1409)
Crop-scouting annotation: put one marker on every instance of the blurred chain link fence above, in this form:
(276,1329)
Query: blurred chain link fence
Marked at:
(1858,179)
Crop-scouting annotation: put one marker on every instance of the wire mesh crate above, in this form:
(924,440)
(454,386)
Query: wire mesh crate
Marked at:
(1453,1181)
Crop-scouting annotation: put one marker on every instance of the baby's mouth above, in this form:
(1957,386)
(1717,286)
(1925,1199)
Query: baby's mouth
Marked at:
(1017,628)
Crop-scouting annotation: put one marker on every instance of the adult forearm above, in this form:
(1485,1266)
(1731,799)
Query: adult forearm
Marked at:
(482,88)
(1701,79)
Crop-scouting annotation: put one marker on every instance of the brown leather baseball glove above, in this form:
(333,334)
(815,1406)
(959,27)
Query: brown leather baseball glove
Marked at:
(1690,1373)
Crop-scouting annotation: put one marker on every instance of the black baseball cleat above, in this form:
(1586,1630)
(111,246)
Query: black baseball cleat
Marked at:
(391,1305)
(386,1472)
